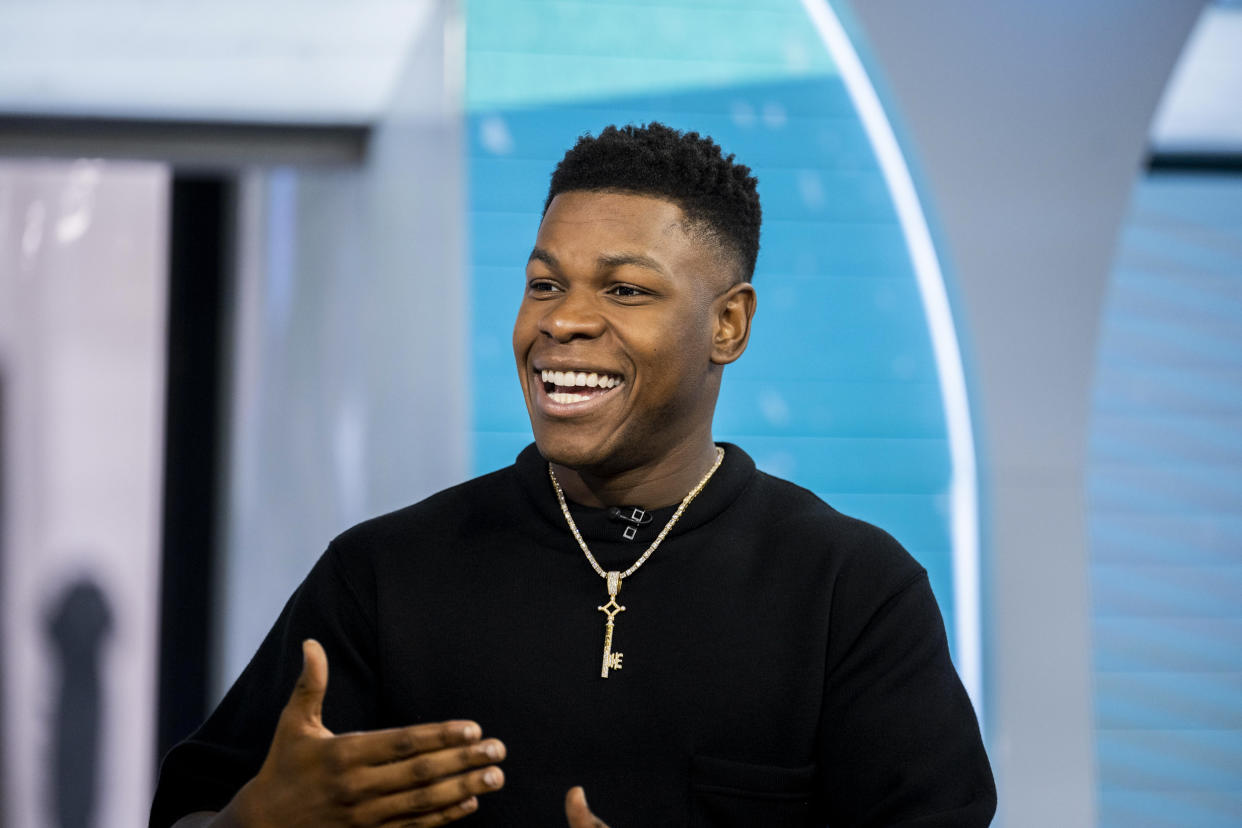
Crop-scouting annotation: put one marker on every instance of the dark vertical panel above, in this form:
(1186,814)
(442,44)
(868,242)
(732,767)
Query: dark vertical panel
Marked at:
(1221,163)
(199,268)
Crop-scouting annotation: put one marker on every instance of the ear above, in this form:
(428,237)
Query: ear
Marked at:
(733,311)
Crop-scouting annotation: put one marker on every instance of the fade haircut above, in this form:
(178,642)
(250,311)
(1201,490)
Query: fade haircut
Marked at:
(717,196)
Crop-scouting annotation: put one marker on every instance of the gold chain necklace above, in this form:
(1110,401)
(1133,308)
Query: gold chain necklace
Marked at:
(612,661)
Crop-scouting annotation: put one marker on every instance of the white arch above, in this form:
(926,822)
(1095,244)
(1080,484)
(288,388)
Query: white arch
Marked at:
(963,486)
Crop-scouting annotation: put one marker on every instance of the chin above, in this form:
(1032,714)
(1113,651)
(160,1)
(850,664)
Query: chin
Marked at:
(573,452)
(567,453)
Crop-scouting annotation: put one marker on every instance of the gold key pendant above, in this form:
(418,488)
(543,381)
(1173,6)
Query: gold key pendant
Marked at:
(612,661)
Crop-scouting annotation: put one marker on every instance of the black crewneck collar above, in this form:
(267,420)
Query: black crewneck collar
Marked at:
(599,528)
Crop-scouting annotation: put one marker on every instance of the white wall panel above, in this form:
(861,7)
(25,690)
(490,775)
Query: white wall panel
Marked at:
(82,357)
(304,61)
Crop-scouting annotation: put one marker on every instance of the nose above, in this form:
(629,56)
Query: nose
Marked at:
(573,317)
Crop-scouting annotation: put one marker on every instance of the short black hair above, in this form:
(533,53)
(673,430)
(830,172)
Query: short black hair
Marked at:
(717,195)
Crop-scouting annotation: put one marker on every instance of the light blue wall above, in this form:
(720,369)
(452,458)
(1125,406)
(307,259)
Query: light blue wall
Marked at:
(1164,489)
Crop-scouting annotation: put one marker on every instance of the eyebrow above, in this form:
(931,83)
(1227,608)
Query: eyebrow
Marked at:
(608,260)
(541,255)
(614,260)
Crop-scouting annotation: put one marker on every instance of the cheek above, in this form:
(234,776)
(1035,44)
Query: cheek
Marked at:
(524,326)
(675,368)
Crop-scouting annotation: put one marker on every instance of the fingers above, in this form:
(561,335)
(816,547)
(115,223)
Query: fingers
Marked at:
(577,814)
(451,814)
(378,747)
(427,768)
(429,774)
(432,800)
(306,702)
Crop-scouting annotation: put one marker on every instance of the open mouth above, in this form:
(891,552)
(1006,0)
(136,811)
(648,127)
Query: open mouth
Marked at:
(568,387)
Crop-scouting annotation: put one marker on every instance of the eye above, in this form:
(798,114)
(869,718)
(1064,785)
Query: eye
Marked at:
(542,286)
(627,291)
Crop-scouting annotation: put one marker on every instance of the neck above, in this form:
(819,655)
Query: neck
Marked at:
(654,486)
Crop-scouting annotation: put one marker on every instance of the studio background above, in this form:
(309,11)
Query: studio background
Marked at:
(259,264)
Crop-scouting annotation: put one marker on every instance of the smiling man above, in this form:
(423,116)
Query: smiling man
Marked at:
(631,607)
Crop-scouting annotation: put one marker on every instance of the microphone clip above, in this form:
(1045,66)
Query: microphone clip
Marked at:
(632,515)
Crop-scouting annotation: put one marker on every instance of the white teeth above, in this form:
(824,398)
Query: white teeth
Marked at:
(579,379)
(562,397)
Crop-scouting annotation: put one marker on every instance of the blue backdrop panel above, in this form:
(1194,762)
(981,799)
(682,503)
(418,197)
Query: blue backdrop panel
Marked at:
(1165,484)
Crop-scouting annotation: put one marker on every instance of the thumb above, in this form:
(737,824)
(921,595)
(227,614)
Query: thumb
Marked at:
(306,702)
(577,814)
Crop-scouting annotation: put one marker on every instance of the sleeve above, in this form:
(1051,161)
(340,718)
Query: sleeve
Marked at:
(900,744)
(205,771)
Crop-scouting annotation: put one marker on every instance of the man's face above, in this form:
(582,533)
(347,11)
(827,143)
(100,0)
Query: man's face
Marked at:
(613,339)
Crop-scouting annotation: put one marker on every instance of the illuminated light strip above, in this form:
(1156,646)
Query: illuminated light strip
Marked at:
(963,487)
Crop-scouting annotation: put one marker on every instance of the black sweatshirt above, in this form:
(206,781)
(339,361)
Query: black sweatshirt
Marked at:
(783,664)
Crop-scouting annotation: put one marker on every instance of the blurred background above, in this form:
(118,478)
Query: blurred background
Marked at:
(259,264)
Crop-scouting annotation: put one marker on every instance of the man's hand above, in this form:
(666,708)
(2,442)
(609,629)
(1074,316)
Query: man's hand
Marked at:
(577,813)
(421,775)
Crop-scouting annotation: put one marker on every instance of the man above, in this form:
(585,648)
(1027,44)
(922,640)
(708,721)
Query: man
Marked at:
(629,607)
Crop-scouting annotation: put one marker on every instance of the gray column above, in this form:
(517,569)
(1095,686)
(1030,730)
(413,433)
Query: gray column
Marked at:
(1027,121)
(349,387)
